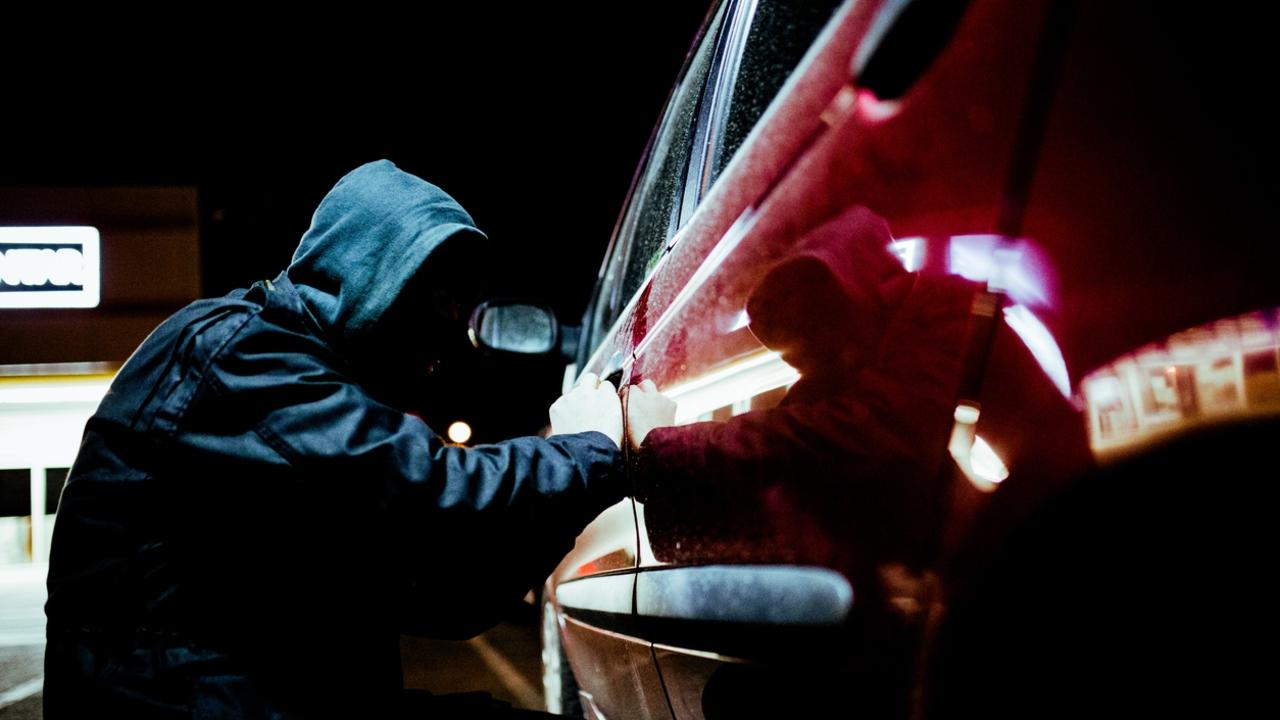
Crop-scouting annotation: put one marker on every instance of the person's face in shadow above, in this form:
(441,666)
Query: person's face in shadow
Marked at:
(421,341)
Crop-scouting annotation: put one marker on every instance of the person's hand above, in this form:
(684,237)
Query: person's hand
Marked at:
(647,409)
(590,405)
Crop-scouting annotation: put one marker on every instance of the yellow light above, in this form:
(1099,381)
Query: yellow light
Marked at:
(459,432)
(40,391)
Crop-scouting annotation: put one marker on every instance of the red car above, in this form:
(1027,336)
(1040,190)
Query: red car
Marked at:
(969,311)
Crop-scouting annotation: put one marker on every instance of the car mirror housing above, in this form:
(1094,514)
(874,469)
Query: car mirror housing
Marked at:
(514,327)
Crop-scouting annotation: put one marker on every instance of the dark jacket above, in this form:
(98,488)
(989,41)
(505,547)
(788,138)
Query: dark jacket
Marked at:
(247,530)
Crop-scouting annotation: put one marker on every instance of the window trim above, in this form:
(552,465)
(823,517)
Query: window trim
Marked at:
(731,45)
(621,241)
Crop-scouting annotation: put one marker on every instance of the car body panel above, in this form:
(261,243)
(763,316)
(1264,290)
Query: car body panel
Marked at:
(1059,240)
(625,681)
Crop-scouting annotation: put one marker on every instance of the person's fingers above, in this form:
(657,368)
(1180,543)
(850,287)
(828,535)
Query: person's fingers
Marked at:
(606,385)
(649,385)
(589,380)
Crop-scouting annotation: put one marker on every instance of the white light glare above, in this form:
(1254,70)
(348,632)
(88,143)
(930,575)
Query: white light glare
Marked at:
(744,378)
(972,454)
(54,392)
(910,252)
(1015,267)
(986,464)
(459,432)
(1043,347)
(967,414)
(65,258)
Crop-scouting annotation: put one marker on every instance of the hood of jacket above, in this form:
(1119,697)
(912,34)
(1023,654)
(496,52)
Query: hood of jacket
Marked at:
(376,230)
(826,304)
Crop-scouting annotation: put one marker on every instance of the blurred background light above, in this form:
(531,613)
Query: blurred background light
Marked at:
(459,432)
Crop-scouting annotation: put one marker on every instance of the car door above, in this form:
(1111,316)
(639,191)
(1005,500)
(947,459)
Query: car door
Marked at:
(698,133)
(1115,585)
(755,582)
(593,588)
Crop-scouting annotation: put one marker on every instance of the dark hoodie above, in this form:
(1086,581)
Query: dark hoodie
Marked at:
(247,530)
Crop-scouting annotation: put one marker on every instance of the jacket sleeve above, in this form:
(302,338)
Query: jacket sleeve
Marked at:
(306,409)
(488,522)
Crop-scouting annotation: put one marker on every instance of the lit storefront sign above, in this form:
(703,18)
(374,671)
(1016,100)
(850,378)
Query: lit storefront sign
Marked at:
(1225,370)
(49,267)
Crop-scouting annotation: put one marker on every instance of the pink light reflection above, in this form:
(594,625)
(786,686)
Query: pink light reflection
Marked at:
(1016,267)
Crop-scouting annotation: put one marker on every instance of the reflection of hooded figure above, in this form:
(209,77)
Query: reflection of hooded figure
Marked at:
(253,520)
(844,471)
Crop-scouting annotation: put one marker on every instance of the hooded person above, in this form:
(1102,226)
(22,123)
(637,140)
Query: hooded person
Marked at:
(254,518)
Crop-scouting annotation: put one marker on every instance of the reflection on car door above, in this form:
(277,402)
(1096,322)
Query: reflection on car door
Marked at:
(789,532)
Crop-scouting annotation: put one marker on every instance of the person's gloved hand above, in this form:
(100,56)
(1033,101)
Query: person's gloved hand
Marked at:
(647,409)
(590,405)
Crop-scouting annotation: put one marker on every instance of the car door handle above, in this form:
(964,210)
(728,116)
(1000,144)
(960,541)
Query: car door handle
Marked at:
(773,595)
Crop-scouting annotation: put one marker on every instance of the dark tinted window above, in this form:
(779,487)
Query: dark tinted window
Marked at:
(780,34)
(658,199)
(655,208)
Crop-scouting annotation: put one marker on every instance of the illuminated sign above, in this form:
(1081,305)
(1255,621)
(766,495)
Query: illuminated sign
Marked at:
(49,267)
(1222,371)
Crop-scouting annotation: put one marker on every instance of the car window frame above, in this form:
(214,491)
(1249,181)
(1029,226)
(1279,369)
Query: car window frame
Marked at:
(713,107)
(621,246)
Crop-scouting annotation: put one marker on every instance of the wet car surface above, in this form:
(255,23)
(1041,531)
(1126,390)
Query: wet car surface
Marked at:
(969,313)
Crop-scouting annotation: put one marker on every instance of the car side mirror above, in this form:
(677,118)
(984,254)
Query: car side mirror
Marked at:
(514,327)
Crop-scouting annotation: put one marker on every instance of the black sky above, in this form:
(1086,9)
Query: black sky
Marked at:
(533,117)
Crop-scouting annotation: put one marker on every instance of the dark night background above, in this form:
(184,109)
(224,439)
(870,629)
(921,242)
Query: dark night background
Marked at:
(533,118)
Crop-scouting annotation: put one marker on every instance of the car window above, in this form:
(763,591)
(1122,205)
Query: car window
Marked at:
(655,204)
(780,33)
